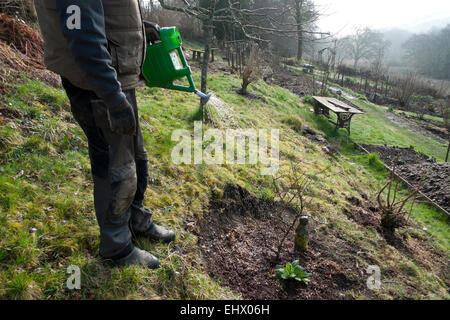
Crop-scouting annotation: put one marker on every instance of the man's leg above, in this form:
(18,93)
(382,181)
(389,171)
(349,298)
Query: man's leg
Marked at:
(115,181)
(113,171)
(141,217)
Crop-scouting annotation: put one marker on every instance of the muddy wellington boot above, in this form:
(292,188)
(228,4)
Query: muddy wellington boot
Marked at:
(156,232)
(140,258)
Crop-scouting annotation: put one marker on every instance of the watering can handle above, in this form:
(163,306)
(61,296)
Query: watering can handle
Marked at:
(191,88)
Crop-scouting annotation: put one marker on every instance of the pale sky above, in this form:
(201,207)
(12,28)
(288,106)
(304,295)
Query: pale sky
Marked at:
(343,15)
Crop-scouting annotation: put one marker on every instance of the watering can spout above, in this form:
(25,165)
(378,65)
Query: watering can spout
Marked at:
(205,97)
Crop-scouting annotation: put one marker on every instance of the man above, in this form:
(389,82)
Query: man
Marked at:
(98,48)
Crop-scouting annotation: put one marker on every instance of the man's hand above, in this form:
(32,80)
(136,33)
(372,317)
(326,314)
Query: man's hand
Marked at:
(122,119)
(152,31)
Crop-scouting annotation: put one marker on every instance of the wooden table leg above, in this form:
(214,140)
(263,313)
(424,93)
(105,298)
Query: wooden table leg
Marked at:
(344,120)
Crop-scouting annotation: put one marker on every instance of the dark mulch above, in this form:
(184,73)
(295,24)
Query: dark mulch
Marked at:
(294,82)
(365,217)
(233,240)
(249,95)
(406,155)
(439,131)
(436,180)
(419,169)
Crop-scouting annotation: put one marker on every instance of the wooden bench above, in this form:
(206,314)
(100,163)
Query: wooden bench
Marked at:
(197,54)
(344,112)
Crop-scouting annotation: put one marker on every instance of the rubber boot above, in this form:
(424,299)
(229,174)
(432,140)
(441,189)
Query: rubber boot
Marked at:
(140,258)
(156,232)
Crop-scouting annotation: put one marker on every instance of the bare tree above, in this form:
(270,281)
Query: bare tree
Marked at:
(378,66)
(251,19)
(343,47)
(364,44)
(404,88)
(305,16)
(326,66)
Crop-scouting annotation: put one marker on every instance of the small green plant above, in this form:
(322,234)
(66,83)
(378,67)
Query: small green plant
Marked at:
(293,271)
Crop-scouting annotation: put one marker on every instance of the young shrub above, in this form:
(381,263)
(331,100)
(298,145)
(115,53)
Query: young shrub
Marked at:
(253,71)
(293,188)
(421,104)
(392,211)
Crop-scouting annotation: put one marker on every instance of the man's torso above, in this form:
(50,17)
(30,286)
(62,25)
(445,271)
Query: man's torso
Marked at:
(124,32)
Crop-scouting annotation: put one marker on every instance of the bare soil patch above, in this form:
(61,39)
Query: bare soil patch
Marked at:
(365,216)
(415,167)
(436,183)
(406,155)
(249,95)
(234,236)
(233,240)
(295,83)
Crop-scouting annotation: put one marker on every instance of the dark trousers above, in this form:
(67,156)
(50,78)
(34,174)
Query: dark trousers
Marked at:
(119,166)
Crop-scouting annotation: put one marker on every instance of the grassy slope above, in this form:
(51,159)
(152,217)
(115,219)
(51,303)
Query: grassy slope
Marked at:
(45,184)
(373,128)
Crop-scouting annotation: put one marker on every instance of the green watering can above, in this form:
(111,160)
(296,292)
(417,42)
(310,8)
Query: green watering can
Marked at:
(165,62)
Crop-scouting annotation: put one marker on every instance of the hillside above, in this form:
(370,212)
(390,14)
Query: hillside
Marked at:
(47,219)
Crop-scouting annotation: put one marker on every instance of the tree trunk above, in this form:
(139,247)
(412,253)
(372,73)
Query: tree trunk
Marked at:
(208,44)
(244,87)
(448,151)
(298,20)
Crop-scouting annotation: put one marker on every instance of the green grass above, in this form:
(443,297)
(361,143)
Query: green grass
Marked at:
(426,116)
(193,44)
(45,184)
(374,128)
